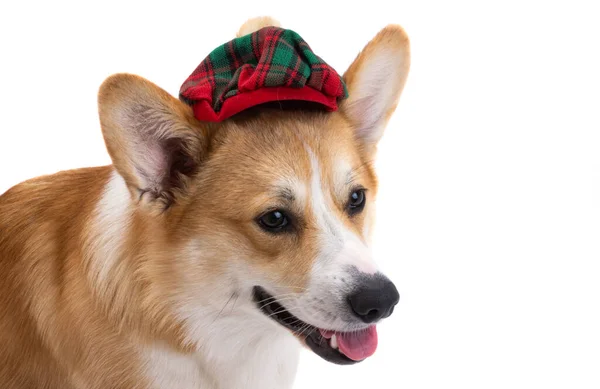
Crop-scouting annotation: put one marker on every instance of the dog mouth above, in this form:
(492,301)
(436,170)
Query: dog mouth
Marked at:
(342,348)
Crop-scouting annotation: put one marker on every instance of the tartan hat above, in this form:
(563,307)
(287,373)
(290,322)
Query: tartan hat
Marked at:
(271,64)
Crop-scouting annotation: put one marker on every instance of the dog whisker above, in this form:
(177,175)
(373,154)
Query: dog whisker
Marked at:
(224,306)
(274,302)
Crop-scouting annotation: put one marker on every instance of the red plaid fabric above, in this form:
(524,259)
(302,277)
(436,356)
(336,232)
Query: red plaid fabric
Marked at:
(271,64)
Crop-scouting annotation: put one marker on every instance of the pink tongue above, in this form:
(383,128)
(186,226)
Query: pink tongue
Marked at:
(356,345)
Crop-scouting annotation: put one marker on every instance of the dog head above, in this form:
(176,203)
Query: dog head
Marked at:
(273,205)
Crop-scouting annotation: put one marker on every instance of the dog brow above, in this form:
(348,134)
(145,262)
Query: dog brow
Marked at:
(286,194)
(354,174)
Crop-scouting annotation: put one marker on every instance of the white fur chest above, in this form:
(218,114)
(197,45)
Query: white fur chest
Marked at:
(236,356)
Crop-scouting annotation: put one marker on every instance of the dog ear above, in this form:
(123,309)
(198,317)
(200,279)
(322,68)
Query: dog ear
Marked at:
(375,81)
(153,139)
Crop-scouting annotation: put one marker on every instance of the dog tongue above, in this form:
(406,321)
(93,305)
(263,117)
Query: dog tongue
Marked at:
(356,345)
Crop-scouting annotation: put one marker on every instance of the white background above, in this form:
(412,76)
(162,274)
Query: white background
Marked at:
(489,210)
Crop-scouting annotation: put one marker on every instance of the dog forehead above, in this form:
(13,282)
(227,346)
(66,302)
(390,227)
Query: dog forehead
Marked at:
(275,144)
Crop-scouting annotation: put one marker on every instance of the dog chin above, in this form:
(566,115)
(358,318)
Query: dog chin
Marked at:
(342,348)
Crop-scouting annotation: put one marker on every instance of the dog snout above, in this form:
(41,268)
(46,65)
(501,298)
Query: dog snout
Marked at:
(374,298)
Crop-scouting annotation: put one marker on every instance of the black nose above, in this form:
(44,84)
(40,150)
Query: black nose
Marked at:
(374,298)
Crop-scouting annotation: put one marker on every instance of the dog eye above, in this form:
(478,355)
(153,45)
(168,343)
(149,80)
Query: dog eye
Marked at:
(356,202)
(273,221)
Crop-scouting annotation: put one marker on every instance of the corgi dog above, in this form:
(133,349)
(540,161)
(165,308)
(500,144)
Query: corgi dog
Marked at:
(209,253)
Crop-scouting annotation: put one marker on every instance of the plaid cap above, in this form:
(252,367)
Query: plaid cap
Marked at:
(271,64)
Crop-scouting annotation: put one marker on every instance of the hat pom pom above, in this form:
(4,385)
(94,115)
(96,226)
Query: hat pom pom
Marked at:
(255,24)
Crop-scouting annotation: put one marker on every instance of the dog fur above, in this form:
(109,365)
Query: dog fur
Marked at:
(139,274)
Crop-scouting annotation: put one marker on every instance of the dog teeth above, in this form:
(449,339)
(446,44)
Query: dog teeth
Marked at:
(333,342)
